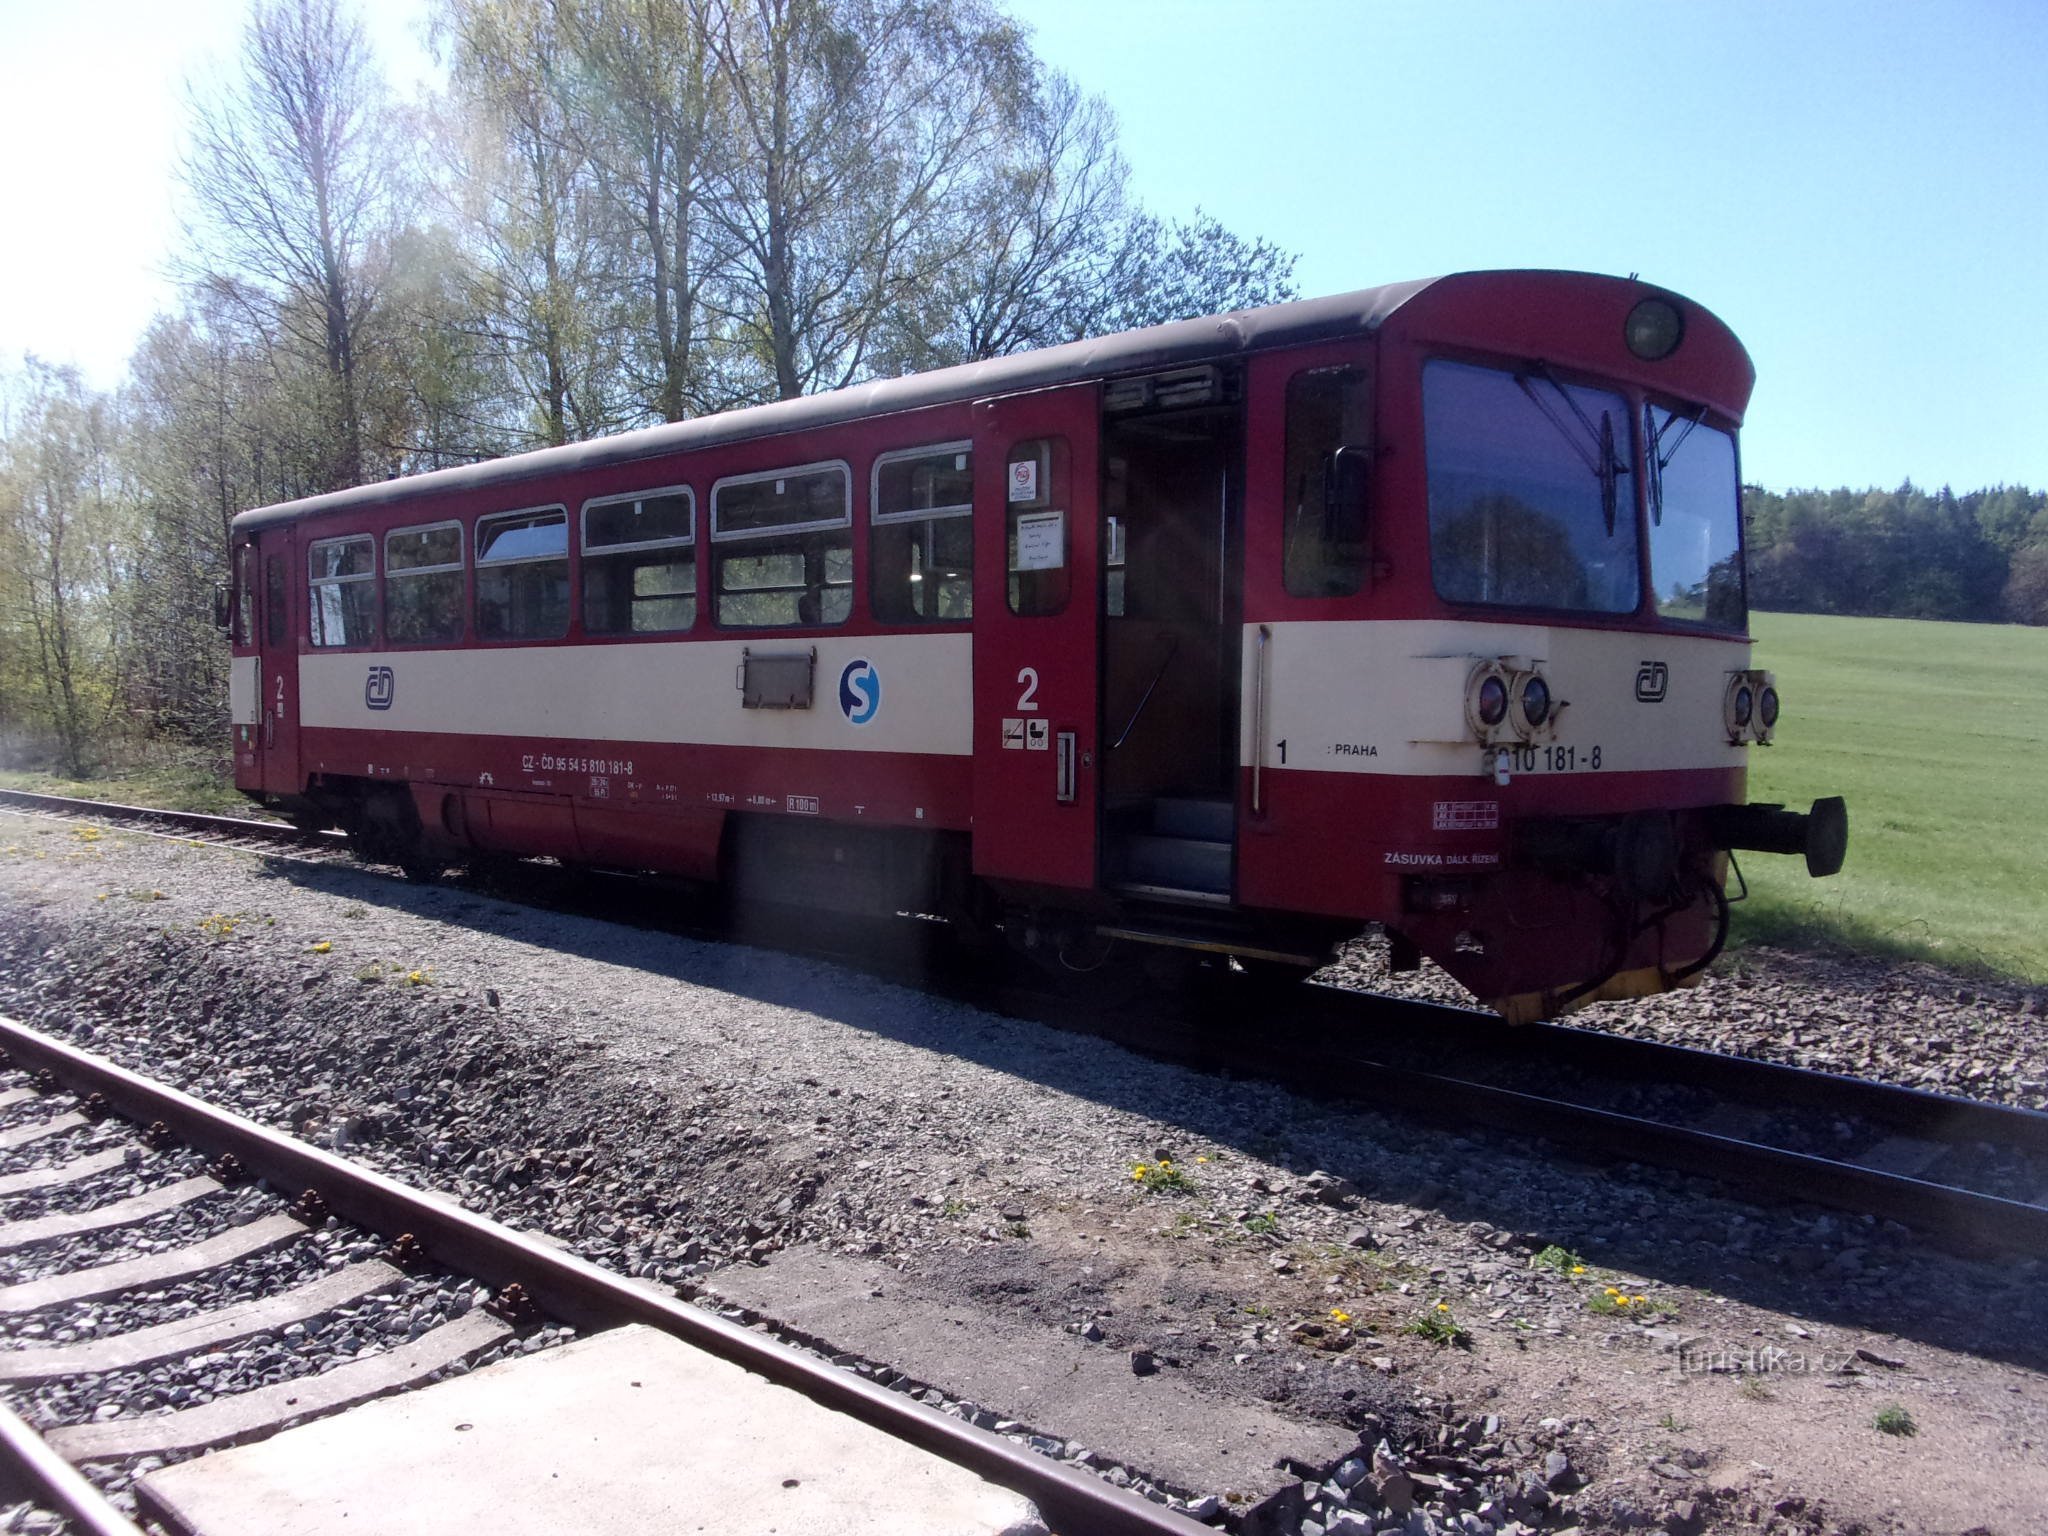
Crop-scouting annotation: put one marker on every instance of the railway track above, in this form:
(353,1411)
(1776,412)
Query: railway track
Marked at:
(94,1118)
(1969,1173)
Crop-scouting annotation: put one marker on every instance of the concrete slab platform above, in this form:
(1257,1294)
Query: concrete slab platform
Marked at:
(626,1431)
(1044,1377)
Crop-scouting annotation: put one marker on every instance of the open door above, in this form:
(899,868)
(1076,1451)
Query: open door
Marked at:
(277,675)
(1036,633)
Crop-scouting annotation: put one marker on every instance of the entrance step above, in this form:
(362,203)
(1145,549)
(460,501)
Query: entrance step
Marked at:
(1213,821)
(1176,863)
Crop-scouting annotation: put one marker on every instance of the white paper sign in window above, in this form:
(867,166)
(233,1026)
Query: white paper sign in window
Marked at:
(1024,481)
(1041,541)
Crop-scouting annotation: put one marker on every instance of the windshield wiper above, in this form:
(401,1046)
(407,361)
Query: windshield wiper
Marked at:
(1653,436)
(1595,450)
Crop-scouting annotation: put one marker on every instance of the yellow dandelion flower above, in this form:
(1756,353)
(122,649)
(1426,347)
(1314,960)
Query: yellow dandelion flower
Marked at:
(1201,1159)
(1340,1314)
(101,897)
(1443,1306)
(1612,1291)
(322,947)
(1639,1301)
(1138,1170)
(1578,1269)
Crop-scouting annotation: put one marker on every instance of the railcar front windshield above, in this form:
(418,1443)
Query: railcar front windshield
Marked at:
(1531,490)
(1695,522)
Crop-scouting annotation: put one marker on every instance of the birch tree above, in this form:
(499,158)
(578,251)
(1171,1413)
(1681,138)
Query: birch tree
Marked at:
(295,187)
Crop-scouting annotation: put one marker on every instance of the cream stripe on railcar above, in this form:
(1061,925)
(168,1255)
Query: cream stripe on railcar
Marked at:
(1397,687)
(668,692)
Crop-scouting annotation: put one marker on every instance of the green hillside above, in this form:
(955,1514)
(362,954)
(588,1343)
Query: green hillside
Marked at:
(1936,734)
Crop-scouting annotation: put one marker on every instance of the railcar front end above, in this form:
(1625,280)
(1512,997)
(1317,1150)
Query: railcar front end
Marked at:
(1519,739)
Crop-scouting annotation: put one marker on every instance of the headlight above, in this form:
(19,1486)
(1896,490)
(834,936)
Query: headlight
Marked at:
(1486,700)
(1535,700)
(1493,701)
(1750,707)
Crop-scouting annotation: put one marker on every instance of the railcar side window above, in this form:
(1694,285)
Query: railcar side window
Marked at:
(1038,541)
(423,585)
(343,587)
(782,547)
(640,563)
(1329,447)
(1531,499)
(921,537)
(522,575)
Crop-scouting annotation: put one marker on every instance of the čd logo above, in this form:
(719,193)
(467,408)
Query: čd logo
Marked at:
(860,690)
(379,689)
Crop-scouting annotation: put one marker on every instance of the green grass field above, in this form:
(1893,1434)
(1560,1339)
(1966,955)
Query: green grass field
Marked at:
(1933,732)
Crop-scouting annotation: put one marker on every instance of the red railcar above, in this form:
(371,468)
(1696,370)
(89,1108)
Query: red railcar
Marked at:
(1419,606)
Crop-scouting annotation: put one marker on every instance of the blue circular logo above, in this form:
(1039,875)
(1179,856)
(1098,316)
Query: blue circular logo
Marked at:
(860,691)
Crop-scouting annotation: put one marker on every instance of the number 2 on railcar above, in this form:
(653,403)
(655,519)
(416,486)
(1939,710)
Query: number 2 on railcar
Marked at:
(1420,607)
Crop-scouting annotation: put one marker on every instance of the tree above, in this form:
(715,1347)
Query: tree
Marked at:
(61,509)
(295,182)
(640,101)
(1193,267)
(851,132)
(1048,231)
(543,278)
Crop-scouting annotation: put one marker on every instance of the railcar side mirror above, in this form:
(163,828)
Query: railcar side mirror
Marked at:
(223,607)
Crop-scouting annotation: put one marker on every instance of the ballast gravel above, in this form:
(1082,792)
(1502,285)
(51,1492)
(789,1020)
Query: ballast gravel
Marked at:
(1537,1341)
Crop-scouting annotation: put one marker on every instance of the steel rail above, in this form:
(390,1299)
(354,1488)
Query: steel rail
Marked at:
(1776,1083)
(579,1292)
(40,1472)
(1965,1215)
(196,821)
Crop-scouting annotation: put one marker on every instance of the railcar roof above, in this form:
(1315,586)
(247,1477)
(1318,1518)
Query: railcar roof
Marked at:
(1160,346)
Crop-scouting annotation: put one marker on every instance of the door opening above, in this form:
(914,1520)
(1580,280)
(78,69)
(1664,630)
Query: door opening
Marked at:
(1171,623)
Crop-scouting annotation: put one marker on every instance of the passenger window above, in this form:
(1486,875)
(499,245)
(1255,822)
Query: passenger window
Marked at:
(423,585)
(921,536)
(273,601)
(782,548)
(1035,478)
(522,575)
(1329,453)
(343,586)
(640,564)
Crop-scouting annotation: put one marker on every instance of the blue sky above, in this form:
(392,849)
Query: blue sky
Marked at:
(1860,190)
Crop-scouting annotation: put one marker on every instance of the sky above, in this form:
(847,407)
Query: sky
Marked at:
(1859,189)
